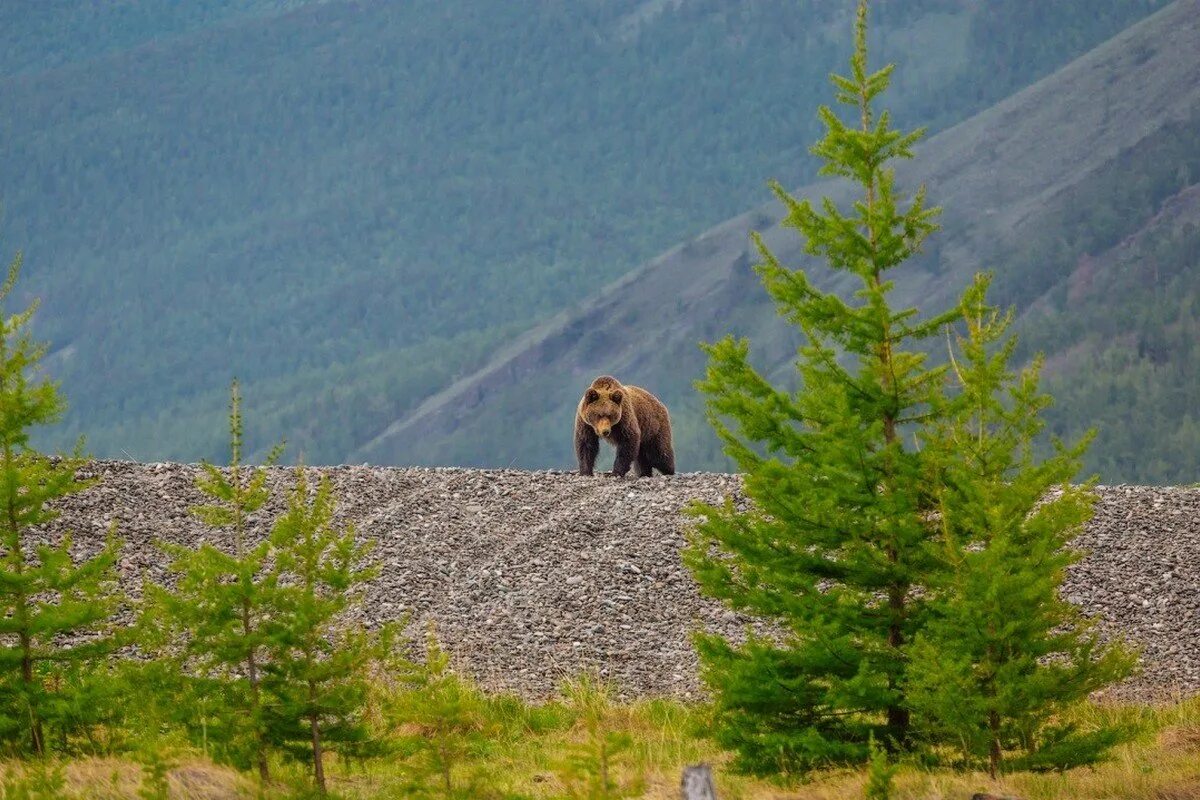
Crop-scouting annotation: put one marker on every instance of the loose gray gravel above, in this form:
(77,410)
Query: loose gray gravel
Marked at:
(533,577)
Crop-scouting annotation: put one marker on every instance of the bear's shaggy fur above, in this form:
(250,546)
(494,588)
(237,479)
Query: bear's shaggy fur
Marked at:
(629,418)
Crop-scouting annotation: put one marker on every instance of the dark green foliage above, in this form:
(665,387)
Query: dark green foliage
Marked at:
(318,671)
(837,541)
(913,587)
(214,621)
(1122,335)
(1004,654)
(254,648)
(49,688)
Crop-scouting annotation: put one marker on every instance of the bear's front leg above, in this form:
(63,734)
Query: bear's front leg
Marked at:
(627,451)
(587,446)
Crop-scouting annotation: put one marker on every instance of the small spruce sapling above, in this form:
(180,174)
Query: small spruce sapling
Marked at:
(56,611)
(156,765)
(319,668)
(443,728)
(880,773)
(215,618)
(593,767)
(1004,654)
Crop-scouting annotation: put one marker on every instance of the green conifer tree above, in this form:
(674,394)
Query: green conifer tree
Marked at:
(48,598)
(216,617)
(443,727)
(319,665)
(591,767)
(1004,654)
(880,773)
(838,538)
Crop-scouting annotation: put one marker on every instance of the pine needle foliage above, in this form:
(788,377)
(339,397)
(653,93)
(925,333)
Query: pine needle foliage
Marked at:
(837,540)
(880,773)
(1004,654)
(319,668)
(216,618)
(596,766)
(47,596)
(443,727)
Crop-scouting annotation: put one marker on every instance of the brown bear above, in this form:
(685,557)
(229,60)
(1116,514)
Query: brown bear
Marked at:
(629,418)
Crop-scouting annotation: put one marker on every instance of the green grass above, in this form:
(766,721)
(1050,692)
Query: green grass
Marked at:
(530,751)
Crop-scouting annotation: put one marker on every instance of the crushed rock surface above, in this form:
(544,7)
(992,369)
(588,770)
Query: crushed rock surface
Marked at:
(531,578)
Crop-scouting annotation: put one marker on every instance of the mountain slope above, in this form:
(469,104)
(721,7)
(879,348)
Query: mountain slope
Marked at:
(1071,165)
(351,204)
(1125,347)
(54,33)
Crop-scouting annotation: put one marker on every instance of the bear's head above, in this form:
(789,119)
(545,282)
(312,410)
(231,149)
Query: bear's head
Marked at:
(602,405)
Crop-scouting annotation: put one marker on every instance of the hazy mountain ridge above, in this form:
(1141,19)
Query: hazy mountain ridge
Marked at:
(350,205)
(1118,179)
(51,34)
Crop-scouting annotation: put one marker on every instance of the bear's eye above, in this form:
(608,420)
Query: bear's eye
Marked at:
(592,396)
(616,397)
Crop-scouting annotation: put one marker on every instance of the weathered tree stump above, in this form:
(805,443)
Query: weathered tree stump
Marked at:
(697,783)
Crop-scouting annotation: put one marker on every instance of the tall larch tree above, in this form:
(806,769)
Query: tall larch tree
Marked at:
(215,617)
(835,548)
(56,611)
(320,661)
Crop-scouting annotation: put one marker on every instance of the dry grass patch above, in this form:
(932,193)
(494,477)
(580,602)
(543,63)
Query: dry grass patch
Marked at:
(118,779)
(526,760)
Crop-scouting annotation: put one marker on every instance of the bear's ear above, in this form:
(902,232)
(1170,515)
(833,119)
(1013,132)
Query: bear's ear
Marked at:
(591,396)
(616,397)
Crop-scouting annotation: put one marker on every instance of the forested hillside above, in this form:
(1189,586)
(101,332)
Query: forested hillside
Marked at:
(350,205)
(1079,192)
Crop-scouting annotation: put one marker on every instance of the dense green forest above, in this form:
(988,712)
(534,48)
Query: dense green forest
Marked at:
(349,205)
(1125,325)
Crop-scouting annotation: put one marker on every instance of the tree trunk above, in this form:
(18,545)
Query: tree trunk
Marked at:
(35,724)
(897,715)
(318,756)
(994,750)
(260,746)
(22,615)
(697,783)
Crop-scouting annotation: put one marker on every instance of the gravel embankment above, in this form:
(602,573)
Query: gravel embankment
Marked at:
(531,577)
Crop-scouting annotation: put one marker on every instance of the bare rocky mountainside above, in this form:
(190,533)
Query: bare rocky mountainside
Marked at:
(532,577)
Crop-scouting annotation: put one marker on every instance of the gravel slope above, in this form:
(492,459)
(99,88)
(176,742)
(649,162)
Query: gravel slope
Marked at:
(531,577)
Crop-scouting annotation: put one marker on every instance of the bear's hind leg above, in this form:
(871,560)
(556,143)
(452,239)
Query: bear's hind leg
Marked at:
(653,458)
(665,462)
